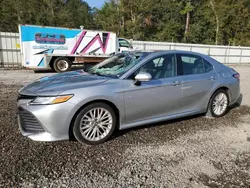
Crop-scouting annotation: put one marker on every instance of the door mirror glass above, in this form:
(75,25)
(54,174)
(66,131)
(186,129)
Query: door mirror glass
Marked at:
(143,77)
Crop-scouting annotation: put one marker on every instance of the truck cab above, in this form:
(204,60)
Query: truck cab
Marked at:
(124,45)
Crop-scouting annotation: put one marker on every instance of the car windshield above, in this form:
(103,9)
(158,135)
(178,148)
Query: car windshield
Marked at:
(116,65)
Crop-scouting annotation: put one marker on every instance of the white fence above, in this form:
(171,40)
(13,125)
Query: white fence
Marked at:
(224,54)
(10,55)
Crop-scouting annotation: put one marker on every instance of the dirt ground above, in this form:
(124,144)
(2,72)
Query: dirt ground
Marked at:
(191,152)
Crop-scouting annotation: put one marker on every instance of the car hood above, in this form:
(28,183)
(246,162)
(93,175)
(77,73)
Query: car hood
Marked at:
(56,84)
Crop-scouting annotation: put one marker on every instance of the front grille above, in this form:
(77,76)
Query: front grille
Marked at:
(26,97)
(28,122)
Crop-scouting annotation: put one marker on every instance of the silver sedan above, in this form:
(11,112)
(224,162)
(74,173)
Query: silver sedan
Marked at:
(124,91)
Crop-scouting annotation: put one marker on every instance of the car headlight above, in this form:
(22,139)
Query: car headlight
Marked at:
(50,100)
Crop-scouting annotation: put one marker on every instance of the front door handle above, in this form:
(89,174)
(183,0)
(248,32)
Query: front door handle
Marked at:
(175,83)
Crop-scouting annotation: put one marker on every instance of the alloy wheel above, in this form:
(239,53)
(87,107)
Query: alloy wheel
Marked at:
(219,104)
(96,124)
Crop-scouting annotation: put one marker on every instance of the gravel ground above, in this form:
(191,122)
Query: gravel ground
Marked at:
(191,152)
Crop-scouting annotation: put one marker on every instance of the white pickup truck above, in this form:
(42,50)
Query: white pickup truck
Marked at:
(59,48)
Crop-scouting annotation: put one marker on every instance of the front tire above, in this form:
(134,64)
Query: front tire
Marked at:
(94,124)
(62,64)
(218,105)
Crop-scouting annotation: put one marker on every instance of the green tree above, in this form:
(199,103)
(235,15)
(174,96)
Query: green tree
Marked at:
(193,21)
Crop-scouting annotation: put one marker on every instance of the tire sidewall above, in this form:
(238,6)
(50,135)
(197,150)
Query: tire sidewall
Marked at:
(55,64)
(211,103)
(76,126)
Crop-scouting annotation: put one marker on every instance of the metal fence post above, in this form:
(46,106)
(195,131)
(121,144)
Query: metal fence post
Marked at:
(12,54)
(225,57)
(240,54)
(7,49)
(1,51)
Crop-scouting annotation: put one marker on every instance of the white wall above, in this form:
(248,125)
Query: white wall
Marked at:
(224,54)
(10,50)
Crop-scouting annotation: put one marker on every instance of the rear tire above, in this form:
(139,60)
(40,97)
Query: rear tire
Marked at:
(218,104)
(62,64)
(94,124)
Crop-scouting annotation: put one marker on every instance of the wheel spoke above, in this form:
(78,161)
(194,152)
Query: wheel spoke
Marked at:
(216,109)
(91,114)
(224,100)
(94,135)
(100,112)
(105,115)
(98,132)
(85,127)
(87,117)
(107,124)
(106,121)
(219,110)
(221,96)
(89,133)
(86,132)
(104,128)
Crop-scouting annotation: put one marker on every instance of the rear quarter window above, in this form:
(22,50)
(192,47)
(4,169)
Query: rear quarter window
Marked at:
(208,67)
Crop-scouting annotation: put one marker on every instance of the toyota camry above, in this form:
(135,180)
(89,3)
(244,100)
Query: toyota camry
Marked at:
(125,91)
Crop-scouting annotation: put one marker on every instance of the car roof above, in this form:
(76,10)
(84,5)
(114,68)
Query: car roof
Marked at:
(153,53)
(161,52)
(173,51)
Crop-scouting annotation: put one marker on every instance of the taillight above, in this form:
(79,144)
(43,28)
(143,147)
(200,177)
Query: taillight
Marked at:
(237,76)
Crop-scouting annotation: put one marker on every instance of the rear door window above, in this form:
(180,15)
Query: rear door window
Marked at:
(192,64)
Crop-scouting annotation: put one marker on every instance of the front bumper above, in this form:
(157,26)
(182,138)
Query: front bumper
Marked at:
(45,122)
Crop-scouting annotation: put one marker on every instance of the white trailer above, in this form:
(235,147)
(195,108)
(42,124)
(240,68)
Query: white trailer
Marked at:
(59,48)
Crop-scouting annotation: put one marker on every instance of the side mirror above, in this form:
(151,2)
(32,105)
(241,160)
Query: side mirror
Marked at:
(142,77)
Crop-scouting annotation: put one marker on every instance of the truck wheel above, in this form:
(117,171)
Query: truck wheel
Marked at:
(62,64)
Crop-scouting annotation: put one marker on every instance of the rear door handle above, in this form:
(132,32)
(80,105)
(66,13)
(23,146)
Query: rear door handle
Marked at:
(212,78)
(175,83)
